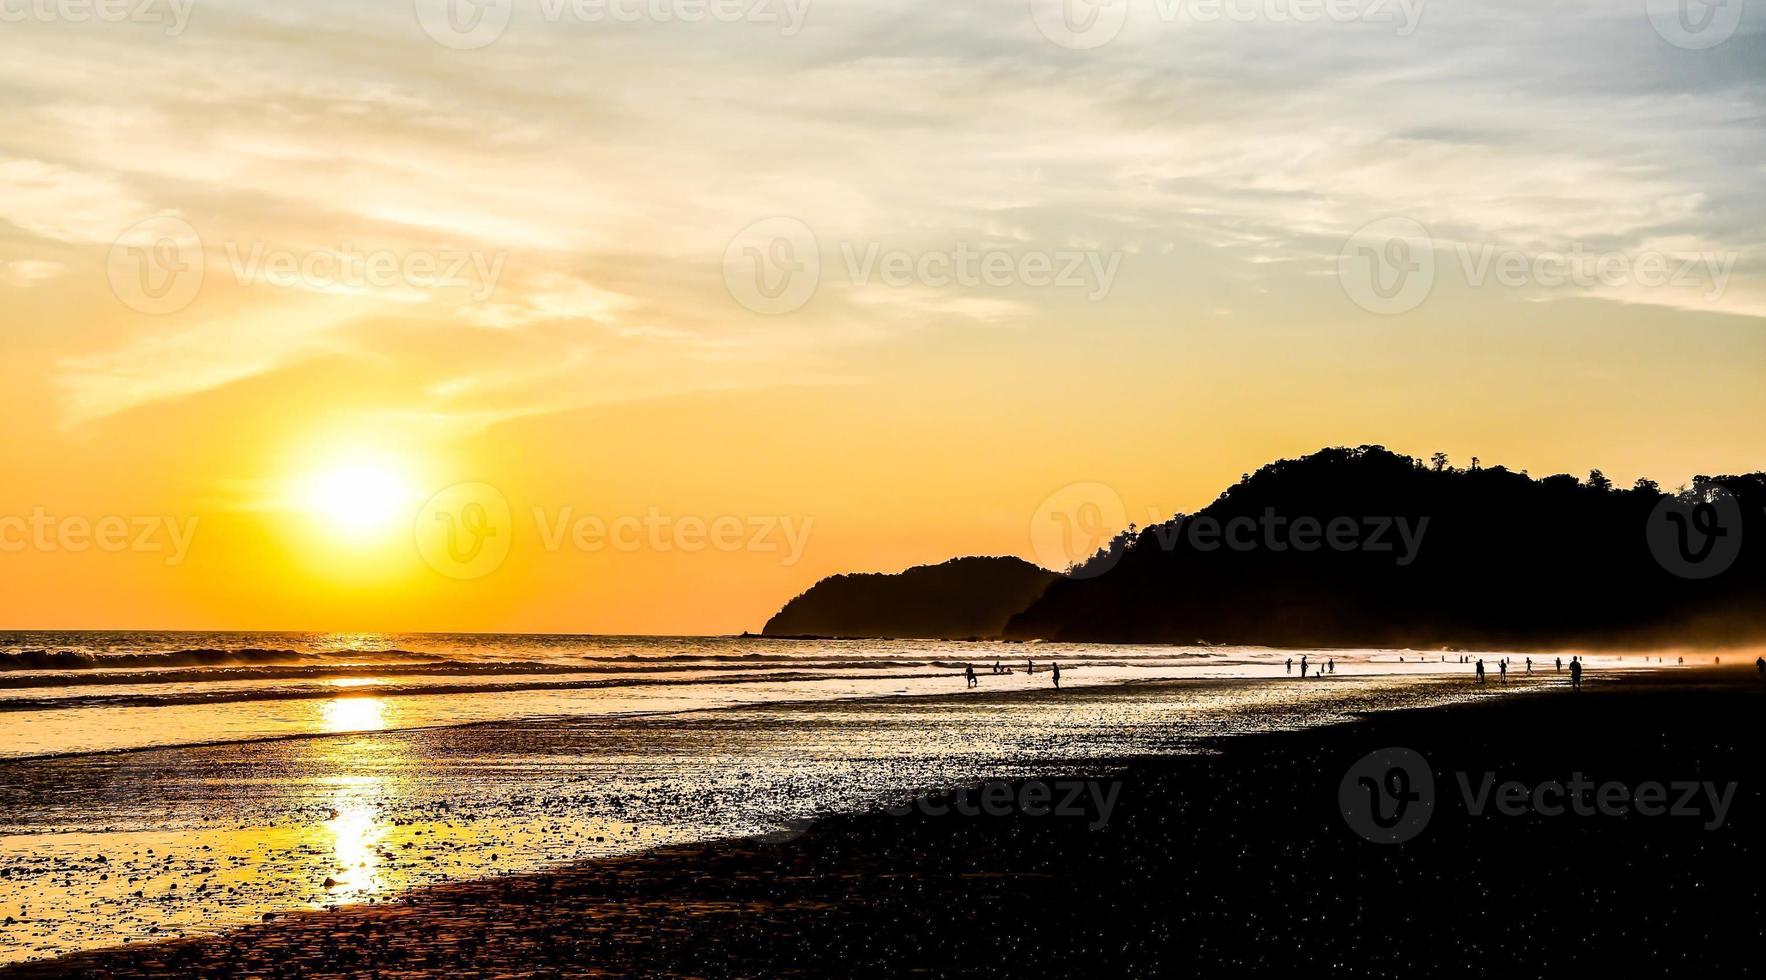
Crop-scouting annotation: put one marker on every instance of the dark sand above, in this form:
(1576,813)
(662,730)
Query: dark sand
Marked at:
(1228,864)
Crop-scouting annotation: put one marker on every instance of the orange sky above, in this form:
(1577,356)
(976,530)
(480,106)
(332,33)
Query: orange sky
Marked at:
(548,304)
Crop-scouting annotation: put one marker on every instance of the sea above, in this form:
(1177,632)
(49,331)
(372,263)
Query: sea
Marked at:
(161,784)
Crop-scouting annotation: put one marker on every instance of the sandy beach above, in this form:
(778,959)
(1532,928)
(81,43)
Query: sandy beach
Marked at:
(1237,856)
(128,823)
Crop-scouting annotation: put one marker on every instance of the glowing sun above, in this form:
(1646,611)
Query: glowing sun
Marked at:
(358,498)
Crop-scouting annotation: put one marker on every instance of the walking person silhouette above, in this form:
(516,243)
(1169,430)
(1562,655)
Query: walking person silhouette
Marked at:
(969,675)
(1503,667)
(1480,670)
(1576,674)
(1055,672)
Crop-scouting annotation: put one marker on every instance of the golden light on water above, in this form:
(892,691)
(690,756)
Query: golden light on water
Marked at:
(356,837)
(353,715)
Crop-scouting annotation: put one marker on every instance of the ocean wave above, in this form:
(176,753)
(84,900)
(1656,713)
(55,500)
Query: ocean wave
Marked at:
(440,668)
(89,660)
(171,698)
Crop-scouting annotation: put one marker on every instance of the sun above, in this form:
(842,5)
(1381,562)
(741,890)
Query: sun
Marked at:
(357,498)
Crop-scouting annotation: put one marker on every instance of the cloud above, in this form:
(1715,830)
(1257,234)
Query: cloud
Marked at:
(613,163)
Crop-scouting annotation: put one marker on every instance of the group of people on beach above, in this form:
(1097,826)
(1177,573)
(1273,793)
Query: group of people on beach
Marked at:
(1000,668)
(1502,669)
(1330,666)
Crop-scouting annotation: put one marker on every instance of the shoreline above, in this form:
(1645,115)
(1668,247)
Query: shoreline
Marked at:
(1246,843)
(954,697)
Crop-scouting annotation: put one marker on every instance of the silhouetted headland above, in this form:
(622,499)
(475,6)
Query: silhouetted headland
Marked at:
(960,599)
(1366,547)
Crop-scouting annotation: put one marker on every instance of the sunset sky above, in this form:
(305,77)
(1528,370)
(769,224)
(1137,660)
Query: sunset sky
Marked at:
(598,352)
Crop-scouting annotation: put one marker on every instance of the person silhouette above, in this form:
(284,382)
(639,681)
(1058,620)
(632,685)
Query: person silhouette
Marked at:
(1529,665)
(1480,670)
(1760,665)
(1576,674)
(1029,666)
(1560,665)
(969,674)
(1290,665)
(1302,668)
(1332,664)
(1055,673)
(1503,668)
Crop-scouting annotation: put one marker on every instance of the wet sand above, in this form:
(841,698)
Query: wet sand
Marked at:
(1240,861)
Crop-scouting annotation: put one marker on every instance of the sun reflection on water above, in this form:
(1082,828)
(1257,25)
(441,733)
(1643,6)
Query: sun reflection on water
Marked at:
(356,837)
(354,715)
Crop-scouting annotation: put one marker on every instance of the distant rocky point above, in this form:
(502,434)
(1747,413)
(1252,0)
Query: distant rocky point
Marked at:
(961,599)
(1362,547)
